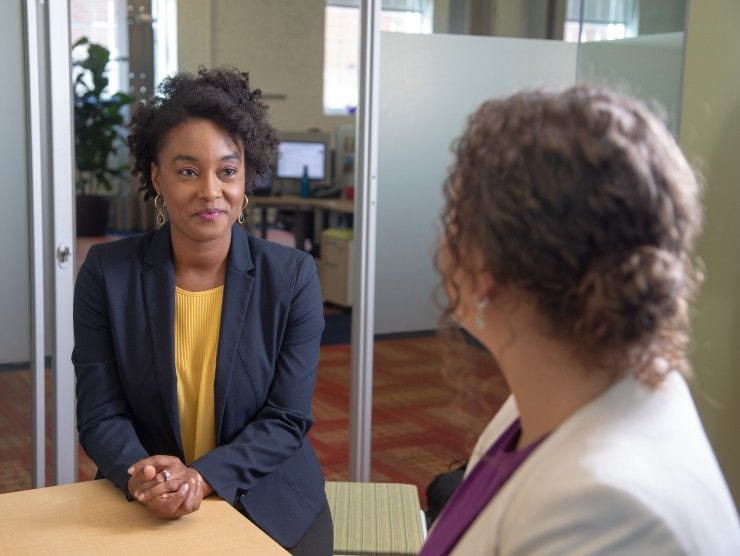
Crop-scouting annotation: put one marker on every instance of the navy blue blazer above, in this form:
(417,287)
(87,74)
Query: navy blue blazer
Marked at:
(271,325)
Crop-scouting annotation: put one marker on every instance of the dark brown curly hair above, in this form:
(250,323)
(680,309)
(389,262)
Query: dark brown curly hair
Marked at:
(583,201)
(222,95)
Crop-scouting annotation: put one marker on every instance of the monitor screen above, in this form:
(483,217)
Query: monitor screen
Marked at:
(294,155)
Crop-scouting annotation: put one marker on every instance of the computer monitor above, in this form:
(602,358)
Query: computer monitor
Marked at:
(294,156)
(299,150)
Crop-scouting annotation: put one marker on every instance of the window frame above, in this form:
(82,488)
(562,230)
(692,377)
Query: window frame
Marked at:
(423,7)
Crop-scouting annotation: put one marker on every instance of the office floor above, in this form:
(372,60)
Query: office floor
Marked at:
(426,415)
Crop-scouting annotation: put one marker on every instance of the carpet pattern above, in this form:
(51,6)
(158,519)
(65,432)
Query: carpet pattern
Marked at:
(425,416)
(15,426)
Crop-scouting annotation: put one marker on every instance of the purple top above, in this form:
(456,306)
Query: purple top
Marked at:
(477,490)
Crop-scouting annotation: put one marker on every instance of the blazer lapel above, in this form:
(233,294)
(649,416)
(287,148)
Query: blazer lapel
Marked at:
(237,292)
(158,279)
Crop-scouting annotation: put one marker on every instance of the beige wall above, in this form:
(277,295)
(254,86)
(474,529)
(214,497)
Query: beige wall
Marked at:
(193,34)
(279,42)
(662,16)
(710,135)
(441,16)
(515,18)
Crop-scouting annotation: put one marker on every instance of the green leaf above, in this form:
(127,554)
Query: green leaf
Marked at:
(98,119)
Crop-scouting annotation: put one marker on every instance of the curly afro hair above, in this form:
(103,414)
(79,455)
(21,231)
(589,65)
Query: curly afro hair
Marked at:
(221,95)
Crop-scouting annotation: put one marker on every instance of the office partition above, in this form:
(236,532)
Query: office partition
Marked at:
(429,84)
(649,67)
(16,242)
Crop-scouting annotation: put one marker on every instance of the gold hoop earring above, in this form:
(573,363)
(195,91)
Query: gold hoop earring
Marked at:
(244,207)
(159,217)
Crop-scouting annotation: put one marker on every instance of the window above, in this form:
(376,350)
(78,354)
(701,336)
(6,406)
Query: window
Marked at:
(164,26)
(104,22)
(603,20)
(342,40)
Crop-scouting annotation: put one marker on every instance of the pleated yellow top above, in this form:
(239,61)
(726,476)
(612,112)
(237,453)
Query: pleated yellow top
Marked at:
(197,327)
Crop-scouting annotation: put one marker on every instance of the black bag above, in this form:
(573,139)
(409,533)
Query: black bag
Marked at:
(440,490)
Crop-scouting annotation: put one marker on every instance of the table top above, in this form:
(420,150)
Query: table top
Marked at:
(93,517)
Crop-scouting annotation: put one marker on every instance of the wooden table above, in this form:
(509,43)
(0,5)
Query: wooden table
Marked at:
(94,518)
(302,205)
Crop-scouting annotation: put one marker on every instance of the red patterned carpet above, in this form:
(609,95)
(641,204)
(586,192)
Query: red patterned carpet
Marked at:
(425,414)
(425,417)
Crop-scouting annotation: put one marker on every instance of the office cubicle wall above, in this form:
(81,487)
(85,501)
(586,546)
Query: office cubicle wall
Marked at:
(649,67)
(428,86)
(14,210)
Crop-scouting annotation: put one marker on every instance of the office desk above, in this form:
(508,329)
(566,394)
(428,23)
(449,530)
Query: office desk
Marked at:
(345,206)
(94,518)
(302,205)
(334,207)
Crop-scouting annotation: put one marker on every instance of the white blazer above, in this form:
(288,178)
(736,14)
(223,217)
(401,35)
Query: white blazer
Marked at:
(632,472)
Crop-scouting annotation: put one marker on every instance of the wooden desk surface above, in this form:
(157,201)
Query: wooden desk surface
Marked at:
(94,518)
(294,201)
(289,201)
(337,205)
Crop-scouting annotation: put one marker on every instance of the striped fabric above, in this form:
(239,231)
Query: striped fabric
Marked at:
(375,518)
(197,326)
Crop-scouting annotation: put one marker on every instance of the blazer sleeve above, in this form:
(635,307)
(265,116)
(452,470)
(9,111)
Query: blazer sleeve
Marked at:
(103,421)
(280,427)
(592,518)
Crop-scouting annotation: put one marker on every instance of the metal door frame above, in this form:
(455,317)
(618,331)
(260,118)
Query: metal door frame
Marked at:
(63,242)
(363,313)
(49,90)
(36,233)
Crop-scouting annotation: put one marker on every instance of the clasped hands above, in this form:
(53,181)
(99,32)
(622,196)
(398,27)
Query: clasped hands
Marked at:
(166,486)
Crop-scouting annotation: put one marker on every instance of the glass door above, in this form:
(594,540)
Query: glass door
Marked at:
(17,377)
(37,436)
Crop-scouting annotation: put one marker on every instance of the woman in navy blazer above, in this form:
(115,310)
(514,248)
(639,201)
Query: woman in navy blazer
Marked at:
(195,147)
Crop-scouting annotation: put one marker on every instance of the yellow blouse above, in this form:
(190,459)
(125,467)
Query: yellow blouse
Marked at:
(197,327)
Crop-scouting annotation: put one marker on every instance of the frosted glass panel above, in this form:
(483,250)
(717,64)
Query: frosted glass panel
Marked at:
(14,244)
(15,379)
(648,67)
(428,86)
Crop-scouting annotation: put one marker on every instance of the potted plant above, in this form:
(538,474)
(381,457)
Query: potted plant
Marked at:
(98,119)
